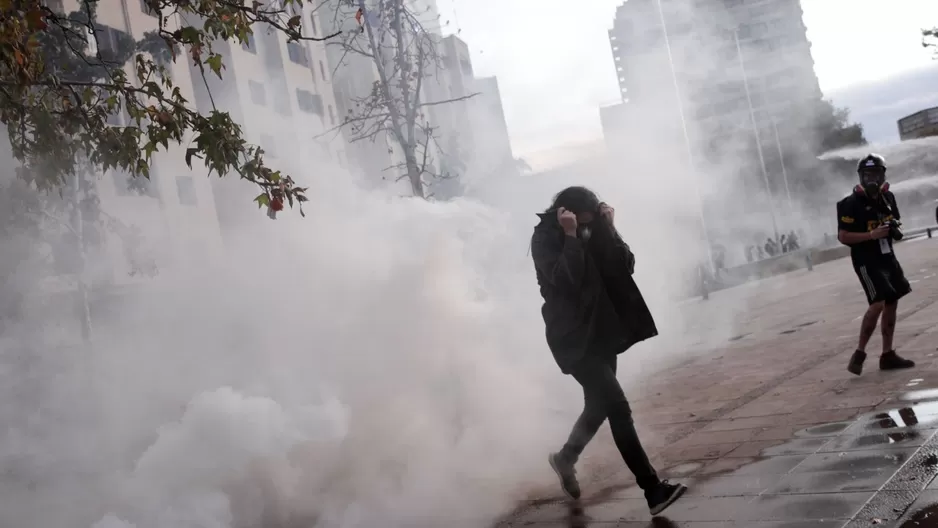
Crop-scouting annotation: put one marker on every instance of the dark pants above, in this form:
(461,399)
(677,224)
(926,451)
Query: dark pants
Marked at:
(604,398)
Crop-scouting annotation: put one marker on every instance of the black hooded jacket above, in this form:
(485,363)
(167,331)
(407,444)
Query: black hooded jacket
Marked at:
(591,302)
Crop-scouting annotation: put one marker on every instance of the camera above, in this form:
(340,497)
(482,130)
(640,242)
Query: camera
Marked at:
(895,232)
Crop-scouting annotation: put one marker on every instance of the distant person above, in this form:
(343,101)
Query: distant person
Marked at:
(771,249)
(593,311)
(784,244)
(719,258)
(761,251)
(868,222)
(793,244)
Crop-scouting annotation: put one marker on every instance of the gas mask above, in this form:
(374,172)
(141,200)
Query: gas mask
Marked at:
(873,182)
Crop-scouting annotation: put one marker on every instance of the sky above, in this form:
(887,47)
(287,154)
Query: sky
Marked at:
(555,66)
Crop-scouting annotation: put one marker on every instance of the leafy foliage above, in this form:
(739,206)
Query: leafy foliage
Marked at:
(834,129)
(406,58)
(930,39)
(61,83)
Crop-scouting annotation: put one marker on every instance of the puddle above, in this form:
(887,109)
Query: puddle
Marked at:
(924,518)
(825,429)
(926,394)
(924,414)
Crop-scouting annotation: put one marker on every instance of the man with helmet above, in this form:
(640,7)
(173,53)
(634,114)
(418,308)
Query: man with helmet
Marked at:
(868,222)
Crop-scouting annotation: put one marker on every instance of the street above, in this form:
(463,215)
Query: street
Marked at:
(767,428)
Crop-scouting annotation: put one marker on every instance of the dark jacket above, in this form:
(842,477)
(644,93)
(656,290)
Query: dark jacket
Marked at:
(591,302)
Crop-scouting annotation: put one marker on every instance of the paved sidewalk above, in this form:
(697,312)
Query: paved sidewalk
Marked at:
(768,428)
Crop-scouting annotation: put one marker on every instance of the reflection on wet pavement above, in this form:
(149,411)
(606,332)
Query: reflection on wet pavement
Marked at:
(834,474)
(924,518)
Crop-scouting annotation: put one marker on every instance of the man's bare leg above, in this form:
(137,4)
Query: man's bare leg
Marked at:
(867,327)
(890,360)
(888,326)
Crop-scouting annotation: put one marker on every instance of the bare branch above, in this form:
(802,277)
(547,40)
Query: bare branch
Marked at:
(404,54)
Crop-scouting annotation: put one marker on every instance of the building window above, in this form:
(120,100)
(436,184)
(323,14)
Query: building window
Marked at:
(249,45)
(332,115)
(119,117)
(269,145)
(314,31)
(297,53)
(126,184)
(258,94)
(309,102)
(145,7)
(54,5)
(322,70)
(107,42)
(185,187)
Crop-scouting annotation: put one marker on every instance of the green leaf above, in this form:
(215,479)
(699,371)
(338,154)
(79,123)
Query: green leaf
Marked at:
(214,62)
(190,35)
(189,153)
(262,200)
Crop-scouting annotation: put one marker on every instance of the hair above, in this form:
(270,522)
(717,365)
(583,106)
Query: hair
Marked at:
(582,200)
(576,199)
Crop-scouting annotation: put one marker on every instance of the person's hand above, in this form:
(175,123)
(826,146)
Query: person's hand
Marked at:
(567,221)
(607,212)
(880,232)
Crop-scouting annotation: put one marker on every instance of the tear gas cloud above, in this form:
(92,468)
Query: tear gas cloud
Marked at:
(381,362)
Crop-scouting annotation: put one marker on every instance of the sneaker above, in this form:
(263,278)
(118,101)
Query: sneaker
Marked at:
(856,362)
(892,361)
(663,495)
(567,475)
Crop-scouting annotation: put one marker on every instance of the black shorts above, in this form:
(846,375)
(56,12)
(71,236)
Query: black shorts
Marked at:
(883,281)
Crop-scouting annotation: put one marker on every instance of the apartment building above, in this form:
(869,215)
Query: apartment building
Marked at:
(174,210)
(279,92)
(734,62)
(492,147)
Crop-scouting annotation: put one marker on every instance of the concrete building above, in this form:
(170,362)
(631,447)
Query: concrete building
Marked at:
(174,210)
(493,146)
(743,76)
(355,78)
(923,123)
(281,95)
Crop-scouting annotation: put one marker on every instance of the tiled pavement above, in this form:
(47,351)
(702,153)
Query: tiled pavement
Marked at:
(768,428)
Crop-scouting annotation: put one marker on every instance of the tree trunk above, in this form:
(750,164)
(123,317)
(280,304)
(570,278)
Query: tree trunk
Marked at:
(414,174)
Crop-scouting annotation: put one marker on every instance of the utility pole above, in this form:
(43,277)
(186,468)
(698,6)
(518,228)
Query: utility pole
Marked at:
(691,165)
(755,131)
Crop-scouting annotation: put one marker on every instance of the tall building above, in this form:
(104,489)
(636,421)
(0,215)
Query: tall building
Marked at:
(175,210)
(280,93)
(742,74)
(493,148)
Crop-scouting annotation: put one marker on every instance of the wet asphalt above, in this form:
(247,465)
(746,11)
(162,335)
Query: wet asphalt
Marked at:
(767,428)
